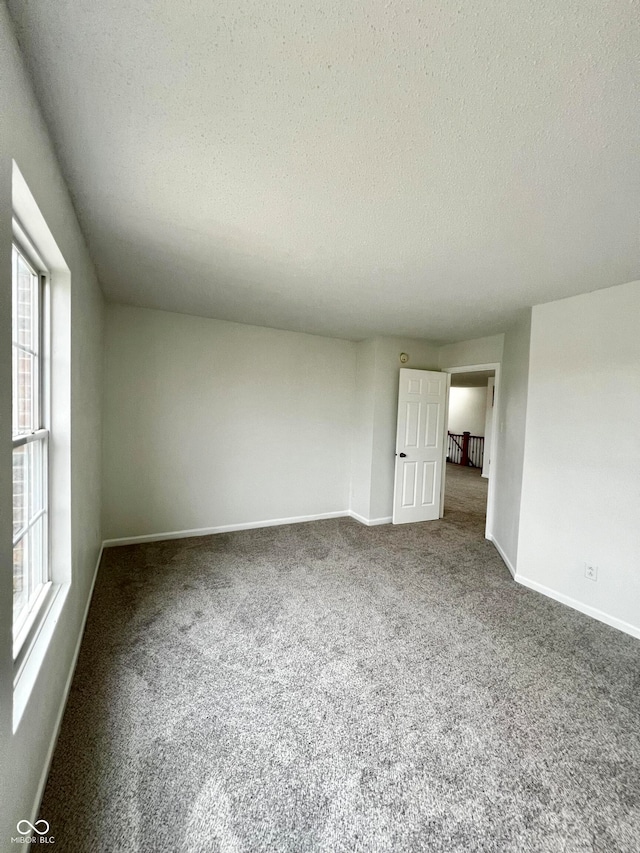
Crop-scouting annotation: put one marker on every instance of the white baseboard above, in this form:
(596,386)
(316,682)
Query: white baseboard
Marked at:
(600,615)
(370,522)
(504,557)
(226,528)
(65,696)
(587,609)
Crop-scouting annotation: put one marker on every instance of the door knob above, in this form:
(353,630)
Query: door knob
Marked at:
(402,455)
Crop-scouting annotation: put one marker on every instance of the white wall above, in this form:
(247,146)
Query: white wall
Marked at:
(323,441)
(506,471)
(362,438)
(210,423)
(375,414)
(23,137)
(467,410)
(373,459)
(422,356)
(581,478)
(476,351)
(488,426)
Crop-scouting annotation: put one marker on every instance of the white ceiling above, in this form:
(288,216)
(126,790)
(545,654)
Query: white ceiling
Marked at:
(349,169)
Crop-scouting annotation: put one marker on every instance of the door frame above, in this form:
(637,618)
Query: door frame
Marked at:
(493,450)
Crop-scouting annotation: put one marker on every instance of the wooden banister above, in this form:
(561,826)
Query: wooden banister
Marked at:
(465,449)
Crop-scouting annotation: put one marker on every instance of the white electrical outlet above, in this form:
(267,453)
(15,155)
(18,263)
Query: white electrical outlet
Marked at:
(591,572)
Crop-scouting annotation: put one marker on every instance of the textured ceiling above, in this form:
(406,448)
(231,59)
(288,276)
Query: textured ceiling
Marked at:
(420,168)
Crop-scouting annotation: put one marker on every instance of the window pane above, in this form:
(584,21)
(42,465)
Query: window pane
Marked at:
(36,476)
(36,558)
(25,347)
(28,571)
(30,517)
(25,308)
(20,581)
(28,479)
(20,485)
(24,392)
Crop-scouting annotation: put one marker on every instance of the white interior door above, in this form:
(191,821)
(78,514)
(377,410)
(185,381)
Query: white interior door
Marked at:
(420,446)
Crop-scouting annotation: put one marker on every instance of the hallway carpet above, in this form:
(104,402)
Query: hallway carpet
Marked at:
(331,687)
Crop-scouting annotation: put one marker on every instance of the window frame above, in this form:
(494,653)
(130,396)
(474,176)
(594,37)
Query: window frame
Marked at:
(26,630)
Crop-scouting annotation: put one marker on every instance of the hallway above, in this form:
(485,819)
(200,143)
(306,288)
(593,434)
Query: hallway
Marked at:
(465,496)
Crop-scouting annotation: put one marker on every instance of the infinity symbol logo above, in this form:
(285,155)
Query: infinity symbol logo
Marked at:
(32,828)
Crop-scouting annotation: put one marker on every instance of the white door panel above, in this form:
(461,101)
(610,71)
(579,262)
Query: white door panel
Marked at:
(428,483)
(420,449)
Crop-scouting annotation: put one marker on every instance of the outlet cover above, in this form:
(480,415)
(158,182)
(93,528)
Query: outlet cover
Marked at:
(591,572)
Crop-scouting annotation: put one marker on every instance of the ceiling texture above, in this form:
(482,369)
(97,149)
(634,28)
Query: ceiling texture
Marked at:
(419,167)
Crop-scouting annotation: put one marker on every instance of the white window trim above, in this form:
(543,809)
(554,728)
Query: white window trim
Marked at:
(32,232)
(28,629)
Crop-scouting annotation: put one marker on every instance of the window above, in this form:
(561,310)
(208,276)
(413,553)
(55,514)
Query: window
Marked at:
(41,427)
(31,573)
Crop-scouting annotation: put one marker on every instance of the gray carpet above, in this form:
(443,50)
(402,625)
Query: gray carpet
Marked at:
(332,687)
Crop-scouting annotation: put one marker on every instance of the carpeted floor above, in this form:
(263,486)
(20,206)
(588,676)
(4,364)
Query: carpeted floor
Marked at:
(332,687)
(465,497)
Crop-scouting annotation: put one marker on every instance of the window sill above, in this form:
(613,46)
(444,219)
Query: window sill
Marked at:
(31,625)
(34,648)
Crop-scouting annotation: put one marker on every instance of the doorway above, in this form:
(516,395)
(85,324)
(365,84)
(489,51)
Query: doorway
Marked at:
(468,488)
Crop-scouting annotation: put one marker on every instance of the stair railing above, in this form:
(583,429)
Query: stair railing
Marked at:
(466,449)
